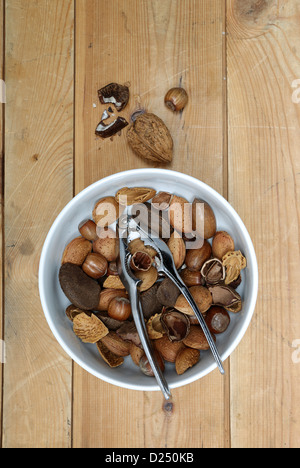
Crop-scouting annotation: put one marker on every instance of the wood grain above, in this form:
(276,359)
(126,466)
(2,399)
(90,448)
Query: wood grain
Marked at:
(39,182)
(154,46)
(264,169)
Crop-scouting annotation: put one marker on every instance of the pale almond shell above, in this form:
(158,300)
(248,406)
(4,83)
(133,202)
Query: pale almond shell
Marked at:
(89,328)
(202,297)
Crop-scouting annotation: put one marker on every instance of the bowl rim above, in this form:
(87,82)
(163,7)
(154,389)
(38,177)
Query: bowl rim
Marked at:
(254,292)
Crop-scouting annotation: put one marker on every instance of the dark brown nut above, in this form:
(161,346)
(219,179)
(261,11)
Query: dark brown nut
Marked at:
(107,295)
(111,129)
(150,139)
(111,323)
(221,244)
(168,349)
(195,258)
(80,289)
(116,345)
(213,271)
(150,303)
(176,324)
(186,359)
(196,339)
(119,309)
(145,365)
(72,311)
(191,278)
(77,251)
(88,230)
(217,320)
(115,94)
(176,99)
(95,265)
(204,218)
(141,261)
(226,297)
(167,293)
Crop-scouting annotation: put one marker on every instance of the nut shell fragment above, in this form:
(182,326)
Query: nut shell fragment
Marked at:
(226,297)
(186,359)
(110,358)
(89,328)
(234,262)
(131,196)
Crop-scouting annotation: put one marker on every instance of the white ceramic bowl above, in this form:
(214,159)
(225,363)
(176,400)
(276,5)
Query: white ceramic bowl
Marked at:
(65,229)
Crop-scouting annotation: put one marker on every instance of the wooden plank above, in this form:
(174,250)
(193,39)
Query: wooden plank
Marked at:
(39,182)
(154,46)
(264,169)
(2,77)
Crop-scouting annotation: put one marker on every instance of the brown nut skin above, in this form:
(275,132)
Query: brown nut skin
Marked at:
(145,366)
(106,211)
(221,244)
(141,261)
(217,319)
(95,265)
(88,230)
(119,309)
(195,258)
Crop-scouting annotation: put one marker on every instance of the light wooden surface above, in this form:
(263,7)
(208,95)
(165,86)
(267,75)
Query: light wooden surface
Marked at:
(240,134)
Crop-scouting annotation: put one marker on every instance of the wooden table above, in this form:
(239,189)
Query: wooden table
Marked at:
(239,61)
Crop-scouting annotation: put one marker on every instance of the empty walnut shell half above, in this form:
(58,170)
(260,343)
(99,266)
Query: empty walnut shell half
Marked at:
(141,261)
(176,324)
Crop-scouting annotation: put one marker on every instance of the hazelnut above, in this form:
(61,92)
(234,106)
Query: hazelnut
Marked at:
(145,365)
(119,309)
(195,258)
(191,278)
(95,265)
(107,295)
(205,216)
(217,320)
(88,230)
(221,244)
(176,99)
(201,295)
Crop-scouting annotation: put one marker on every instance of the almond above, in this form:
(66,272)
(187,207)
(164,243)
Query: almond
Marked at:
(77,251)
(180,215)
(107,245)
(89,328)
(168,349)
(185,359)
(196,339)
(116,345)
(132,196)
(177,247)
(202,297)
(106,211)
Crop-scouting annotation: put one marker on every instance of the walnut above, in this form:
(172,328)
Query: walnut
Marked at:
(150,139)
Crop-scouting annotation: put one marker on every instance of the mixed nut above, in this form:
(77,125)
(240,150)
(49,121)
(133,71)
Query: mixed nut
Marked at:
(100,309)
